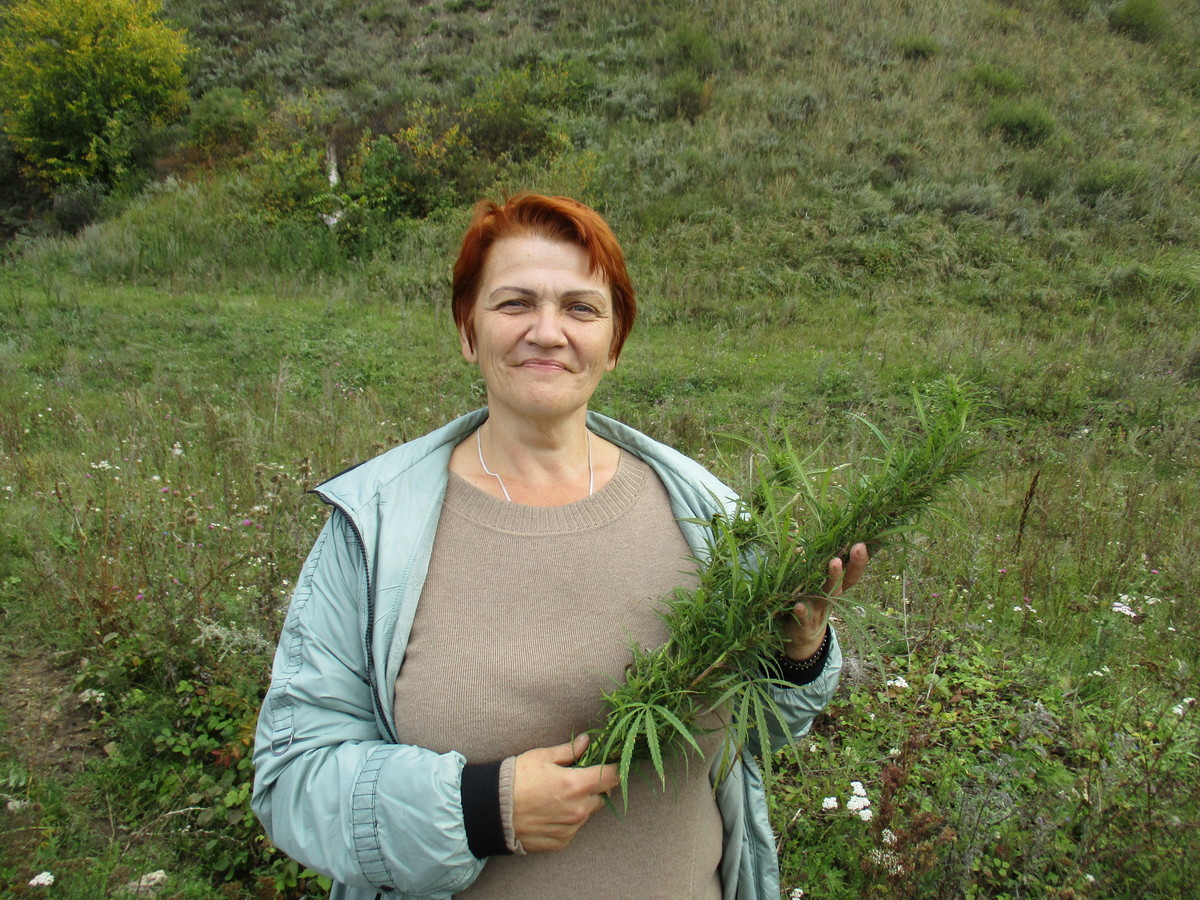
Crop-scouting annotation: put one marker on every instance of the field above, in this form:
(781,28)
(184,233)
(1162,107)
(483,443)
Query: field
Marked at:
(824,208)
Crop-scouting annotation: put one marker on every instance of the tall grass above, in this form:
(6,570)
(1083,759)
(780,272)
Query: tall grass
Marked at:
(818,217)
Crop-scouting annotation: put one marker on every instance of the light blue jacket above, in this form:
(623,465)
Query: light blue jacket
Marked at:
(332,786)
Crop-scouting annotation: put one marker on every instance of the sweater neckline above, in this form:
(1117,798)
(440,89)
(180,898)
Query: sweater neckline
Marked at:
(607,504)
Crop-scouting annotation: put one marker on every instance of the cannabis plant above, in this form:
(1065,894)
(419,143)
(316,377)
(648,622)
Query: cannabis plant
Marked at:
(772,550)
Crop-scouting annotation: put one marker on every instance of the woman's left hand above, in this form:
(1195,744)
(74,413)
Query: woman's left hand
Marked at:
(804,629)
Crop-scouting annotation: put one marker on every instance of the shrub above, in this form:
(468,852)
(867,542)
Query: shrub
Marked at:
(1027,123)
(224,123)
(1036,178)
(412,173)
(78,205)
(507,116)
(686,95)
(1142,20)
(80,78)
(919,47)
(691,46)
(1107,177)
(996,80)
(1076,9)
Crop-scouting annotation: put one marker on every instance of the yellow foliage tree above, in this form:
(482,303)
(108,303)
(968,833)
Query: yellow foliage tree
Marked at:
(80,78)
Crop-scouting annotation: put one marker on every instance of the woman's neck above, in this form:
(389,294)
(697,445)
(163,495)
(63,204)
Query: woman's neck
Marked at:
(536,463)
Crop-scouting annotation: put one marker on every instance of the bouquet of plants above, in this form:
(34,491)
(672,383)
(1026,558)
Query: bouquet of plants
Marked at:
(771,551)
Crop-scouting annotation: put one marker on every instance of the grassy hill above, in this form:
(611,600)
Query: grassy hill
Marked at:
(823,206)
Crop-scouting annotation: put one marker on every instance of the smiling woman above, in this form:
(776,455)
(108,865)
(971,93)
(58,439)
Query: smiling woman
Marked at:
(474,594)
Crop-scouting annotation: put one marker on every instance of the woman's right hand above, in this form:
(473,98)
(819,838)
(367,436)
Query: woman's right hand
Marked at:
(552,799)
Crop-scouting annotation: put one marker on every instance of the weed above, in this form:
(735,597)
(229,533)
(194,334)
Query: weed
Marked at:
(1027,123)
(918,47)
(996,80)
(1142,20)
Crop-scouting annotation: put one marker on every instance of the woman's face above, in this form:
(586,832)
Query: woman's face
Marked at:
(543,328)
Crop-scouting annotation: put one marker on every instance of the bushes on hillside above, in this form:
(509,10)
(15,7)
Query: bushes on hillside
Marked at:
(1142,20)
(1024,122)
(83,82)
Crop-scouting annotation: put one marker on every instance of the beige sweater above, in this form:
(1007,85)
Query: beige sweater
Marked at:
(526,616)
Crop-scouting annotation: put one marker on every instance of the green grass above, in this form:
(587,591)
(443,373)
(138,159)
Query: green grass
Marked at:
(818,217)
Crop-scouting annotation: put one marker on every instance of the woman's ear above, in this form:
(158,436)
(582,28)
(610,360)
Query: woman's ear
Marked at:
(466,340)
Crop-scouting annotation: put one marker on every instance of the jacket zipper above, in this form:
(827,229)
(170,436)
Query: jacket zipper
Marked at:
(370,633)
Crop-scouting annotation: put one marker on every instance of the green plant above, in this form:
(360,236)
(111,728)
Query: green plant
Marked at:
(1036,178)
(224,123)
(997,80)
(1142,20)
(918,47)
(1026,122)
(76,77)
(766,555)
(1106,176)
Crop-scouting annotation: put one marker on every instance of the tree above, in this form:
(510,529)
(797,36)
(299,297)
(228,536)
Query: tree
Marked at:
(81,79)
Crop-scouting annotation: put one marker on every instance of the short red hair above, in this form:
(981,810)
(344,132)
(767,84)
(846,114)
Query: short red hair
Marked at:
(553,218)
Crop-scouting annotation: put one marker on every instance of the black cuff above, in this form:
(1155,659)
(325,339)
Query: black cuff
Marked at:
(805,671)
(481,810)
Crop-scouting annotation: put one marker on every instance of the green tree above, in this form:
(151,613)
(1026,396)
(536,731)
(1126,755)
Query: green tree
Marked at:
(81,80)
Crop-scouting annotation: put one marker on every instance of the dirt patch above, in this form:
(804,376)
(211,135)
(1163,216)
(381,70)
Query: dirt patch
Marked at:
(44,724)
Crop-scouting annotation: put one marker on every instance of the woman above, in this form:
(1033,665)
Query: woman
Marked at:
(476,589)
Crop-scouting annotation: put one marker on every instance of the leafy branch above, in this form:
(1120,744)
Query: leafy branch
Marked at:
(771,551)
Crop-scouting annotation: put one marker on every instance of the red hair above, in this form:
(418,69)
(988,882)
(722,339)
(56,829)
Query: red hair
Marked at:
(553,218)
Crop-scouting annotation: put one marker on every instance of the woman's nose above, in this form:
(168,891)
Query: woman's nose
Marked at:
(546,328)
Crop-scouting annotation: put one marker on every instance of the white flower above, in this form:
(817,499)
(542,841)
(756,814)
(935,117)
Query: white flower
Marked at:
(1183,707)
(42,879)
(866,815)
(856,787)
(796,894)
(177,449)
(854,804)
(888,837)
(1089,878)
(829,803)
(1123,608)
(886,859)
(897,682)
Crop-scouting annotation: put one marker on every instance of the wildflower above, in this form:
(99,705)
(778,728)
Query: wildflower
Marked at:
(42,879)
(177,449)
(888,860)
(888,837)
(856,787)
(854,804)
(1183,707)
(796,894)
(1003,571)
(91,695)
(247,522)
(897,682)
(829,803)
(866,815)
(1123,608)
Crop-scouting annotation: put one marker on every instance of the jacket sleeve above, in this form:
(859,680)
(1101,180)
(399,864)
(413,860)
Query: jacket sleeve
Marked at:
(800,705)
(328,789)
